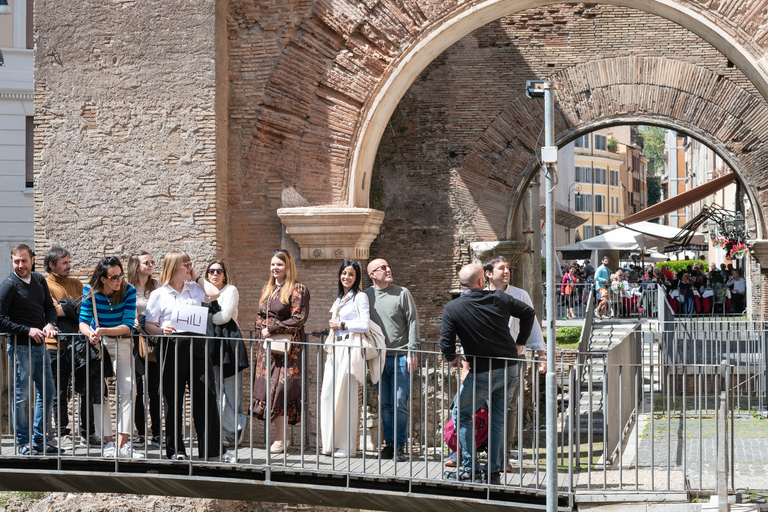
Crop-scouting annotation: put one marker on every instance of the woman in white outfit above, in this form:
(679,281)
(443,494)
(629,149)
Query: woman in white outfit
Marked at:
(344,366)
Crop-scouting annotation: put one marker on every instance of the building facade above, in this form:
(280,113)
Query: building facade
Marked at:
(16,130)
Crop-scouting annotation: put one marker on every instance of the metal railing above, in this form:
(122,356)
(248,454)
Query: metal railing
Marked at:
(624,300)
(648,403)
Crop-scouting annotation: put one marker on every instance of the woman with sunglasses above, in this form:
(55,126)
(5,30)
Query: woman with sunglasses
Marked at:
(283,310)
(344,366)
(230,357)
(112,323)
(139,274)
(181,285)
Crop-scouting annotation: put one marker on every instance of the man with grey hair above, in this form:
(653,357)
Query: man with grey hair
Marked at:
(480,319)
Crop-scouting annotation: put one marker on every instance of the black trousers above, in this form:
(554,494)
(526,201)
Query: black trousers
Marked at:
(152,376)
(61,368)
(180,368)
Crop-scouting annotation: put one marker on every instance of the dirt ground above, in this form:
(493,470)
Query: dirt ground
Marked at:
(60,502)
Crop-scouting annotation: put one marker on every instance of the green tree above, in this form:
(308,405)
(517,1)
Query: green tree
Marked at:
(653,149)
(654,189)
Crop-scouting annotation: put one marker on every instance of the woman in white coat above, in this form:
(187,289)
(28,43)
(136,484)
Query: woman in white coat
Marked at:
(344,366)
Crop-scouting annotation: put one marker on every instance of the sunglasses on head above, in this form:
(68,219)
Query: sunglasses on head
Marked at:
(281,250)
(215,271)
(350,262)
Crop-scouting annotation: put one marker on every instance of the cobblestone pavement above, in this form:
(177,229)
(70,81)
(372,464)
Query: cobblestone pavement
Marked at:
(699,459)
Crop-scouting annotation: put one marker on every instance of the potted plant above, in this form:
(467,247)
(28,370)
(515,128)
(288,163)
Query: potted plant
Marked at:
(738,251)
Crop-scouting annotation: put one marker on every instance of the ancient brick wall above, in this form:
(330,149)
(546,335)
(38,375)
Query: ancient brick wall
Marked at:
(125,128)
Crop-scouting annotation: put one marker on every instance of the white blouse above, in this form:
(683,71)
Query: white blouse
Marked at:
(349,313)
(228,300)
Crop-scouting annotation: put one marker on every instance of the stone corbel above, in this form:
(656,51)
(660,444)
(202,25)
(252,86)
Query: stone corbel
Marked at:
(331,233)
(758,249)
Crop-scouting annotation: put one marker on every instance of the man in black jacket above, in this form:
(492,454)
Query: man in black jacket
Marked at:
(28,314)
(480,318)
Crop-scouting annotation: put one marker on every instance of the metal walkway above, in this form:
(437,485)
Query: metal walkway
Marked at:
(361,482)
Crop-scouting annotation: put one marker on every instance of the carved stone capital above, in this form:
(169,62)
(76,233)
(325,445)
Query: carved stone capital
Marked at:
(332,233)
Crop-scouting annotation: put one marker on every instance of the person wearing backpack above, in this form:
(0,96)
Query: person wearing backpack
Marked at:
(480,319)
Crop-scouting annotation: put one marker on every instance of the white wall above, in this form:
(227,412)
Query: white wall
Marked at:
(16,88)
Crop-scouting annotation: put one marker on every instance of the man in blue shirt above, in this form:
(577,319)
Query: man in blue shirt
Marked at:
(602,275)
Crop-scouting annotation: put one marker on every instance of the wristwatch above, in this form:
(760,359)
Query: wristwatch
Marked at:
(343,325)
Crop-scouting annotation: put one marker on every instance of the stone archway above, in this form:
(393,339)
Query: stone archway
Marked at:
(434,38)
(663,92)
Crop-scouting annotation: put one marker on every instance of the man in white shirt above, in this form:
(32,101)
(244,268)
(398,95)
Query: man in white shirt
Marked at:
(738,286)
(497,272)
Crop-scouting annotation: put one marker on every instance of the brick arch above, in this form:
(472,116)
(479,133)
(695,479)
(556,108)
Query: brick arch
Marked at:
(641,90)
(743,44)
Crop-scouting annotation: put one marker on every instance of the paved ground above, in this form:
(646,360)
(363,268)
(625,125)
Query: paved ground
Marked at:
(664,442)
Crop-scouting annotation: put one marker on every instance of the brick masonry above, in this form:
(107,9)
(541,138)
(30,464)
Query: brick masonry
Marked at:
(129,97)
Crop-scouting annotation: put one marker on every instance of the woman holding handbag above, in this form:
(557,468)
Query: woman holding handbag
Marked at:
(181,285)
(283,311)
(107,314)
(344,363)
(568,290)
(139,274)
(229,356)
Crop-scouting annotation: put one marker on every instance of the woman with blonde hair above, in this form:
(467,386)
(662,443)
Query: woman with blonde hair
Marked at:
(283,311)
(182,285)
(110,322)
(139,274)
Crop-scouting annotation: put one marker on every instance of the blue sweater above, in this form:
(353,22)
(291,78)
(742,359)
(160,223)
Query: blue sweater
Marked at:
(110,315)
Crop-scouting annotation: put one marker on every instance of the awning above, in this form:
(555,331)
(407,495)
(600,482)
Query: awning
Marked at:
(681,201)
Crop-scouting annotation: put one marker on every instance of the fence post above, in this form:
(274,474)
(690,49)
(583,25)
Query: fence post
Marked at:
(722,446)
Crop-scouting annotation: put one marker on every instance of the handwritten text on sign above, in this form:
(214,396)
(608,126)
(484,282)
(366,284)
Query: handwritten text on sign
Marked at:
(188,318)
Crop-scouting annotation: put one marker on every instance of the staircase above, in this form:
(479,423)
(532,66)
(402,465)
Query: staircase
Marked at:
(605,334)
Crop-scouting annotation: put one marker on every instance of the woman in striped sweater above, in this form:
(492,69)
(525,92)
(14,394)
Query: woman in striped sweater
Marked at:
(112,325)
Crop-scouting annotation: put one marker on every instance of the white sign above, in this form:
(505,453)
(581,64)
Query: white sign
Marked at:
(186,318)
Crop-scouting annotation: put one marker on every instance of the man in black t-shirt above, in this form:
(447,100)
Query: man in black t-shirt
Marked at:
(28,315)
(480,318)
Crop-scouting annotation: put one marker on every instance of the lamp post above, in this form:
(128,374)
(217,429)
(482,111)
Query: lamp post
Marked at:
(542,89)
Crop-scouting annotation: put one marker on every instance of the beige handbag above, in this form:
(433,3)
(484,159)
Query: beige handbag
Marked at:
(278,343)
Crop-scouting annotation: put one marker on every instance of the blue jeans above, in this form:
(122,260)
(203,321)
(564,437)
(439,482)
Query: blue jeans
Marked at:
(395,382)
(34,361)
(501,389)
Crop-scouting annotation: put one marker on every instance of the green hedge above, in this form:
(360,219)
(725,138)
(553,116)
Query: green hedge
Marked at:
(677,266)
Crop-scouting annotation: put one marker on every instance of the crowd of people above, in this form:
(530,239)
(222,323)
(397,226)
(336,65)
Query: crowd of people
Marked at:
(724,284)
(64,334)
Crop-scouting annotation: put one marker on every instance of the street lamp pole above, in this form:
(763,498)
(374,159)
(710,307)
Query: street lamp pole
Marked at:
(538,89)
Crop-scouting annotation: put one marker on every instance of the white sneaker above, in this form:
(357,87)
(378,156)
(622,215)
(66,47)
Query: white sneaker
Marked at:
(109,449)
(229,458)
(178,456)
(66,443)
(340,454)
(126,452)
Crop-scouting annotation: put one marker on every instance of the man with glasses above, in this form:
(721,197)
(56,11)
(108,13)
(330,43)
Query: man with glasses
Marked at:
(393,308)
(480,319)
(66,293)
(28,314)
